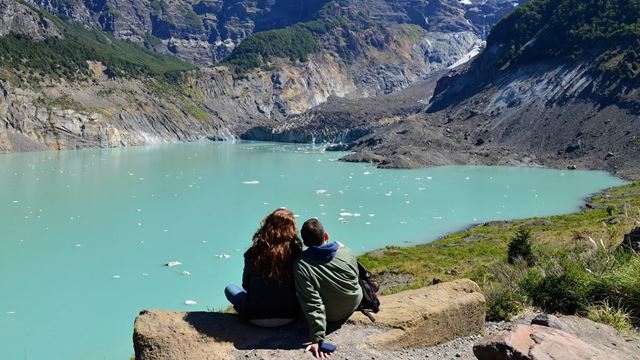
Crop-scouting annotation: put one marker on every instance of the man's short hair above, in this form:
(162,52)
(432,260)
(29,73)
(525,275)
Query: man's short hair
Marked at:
(312,232)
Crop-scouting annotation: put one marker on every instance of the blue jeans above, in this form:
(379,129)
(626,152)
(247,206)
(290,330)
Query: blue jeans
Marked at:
(236,295)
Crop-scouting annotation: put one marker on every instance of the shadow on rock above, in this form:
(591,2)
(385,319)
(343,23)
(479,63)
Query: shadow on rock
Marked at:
(244,336)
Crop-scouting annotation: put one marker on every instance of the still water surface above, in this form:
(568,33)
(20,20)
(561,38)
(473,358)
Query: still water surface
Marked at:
(84,234)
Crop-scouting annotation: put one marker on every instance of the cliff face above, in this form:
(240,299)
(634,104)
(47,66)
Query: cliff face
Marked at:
(20,19)
(205,31)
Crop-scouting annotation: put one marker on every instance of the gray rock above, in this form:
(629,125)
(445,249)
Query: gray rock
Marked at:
(548,321)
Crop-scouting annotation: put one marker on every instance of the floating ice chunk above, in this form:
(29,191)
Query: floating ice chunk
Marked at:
(190,302)
(341,192)
(346,214)
(10,312)
(173,263)
(185,273)
(251,182)
(321,191)
(429,178)
(321,205)
(204,241)
(223,256)
(139,224)
(130,174)
(356,214)
(422,188)
(116,276)
(366,173)
(323,213)
(165,230)
(372,215)
(475,219)
(340,218)
(437,217)
(467,178)
(15,201)
(78,245)
(367,223)
(407,202)
(403,222)
(145,274)
(139,210)
(141,179)
(389,193)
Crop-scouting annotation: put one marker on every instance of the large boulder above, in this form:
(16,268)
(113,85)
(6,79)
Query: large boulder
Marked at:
(414,318)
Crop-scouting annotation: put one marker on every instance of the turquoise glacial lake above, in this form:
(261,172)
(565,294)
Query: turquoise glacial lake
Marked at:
(84,235)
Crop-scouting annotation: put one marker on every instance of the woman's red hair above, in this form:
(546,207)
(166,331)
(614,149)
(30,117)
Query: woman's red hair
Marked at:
(275,246)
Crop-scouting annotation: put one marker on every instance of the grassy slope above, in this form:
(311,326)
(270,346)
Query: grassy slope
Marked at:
(473,252)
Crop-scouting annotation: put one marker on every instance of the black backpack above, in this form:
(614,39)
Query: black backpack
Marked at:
(370,302)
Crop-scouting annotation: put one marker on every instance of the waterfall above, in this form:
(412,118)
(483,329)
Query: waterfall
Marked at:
(226,135)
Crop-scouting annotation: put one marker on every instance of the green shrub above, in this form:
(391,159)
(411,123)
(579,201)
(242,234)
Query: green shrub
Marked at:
(503,304)
(616,317)
(611,209)
(520,248)
(620,286)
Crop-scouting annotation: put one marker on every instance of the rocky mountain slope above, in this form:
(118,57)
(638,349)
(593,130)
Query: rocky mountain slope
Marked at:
(85,87)
(557,85)
(205,31)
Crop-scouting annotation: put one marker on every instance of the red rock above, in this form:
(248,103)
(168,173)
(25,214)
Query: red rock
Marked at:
(534,342)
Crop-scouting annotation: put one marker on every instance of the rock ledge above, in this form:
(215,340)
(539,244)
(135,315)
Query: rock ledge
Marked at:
(414,318)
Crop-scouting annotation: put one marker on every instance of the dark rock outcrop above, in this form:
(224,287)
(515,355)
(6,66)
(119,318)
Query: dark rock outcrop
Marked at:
(631,241)
(548,321)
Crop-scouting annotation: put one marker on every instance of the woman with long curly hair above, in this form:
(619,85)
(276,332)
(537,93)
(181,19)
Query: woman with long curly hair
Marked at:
(268,297)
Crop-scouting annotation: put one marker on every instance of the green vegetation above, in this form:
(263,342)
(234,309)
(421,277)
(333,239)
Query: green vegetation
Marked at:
(610,315)
(520,248)
(570,264)
(295,43)
(609,30)
(67,57)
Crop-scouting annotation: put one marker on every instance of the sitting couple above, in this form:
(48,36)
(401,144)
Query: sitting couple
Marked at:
(280,279)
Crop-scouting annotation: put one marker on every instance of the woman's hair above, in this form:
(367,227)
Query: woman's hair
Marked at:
(275,246)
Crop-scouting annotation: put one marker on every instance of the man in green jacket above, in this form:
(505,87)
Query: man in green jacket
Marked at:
(326,278)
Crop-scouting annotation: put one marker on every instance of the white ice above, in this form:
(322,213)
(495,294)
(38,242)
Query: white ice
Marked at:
(190,302)
(251,182)
(173,263)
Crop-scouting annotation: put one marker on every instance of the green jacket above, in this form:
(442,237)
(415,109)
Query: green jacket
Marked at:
(327,286)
